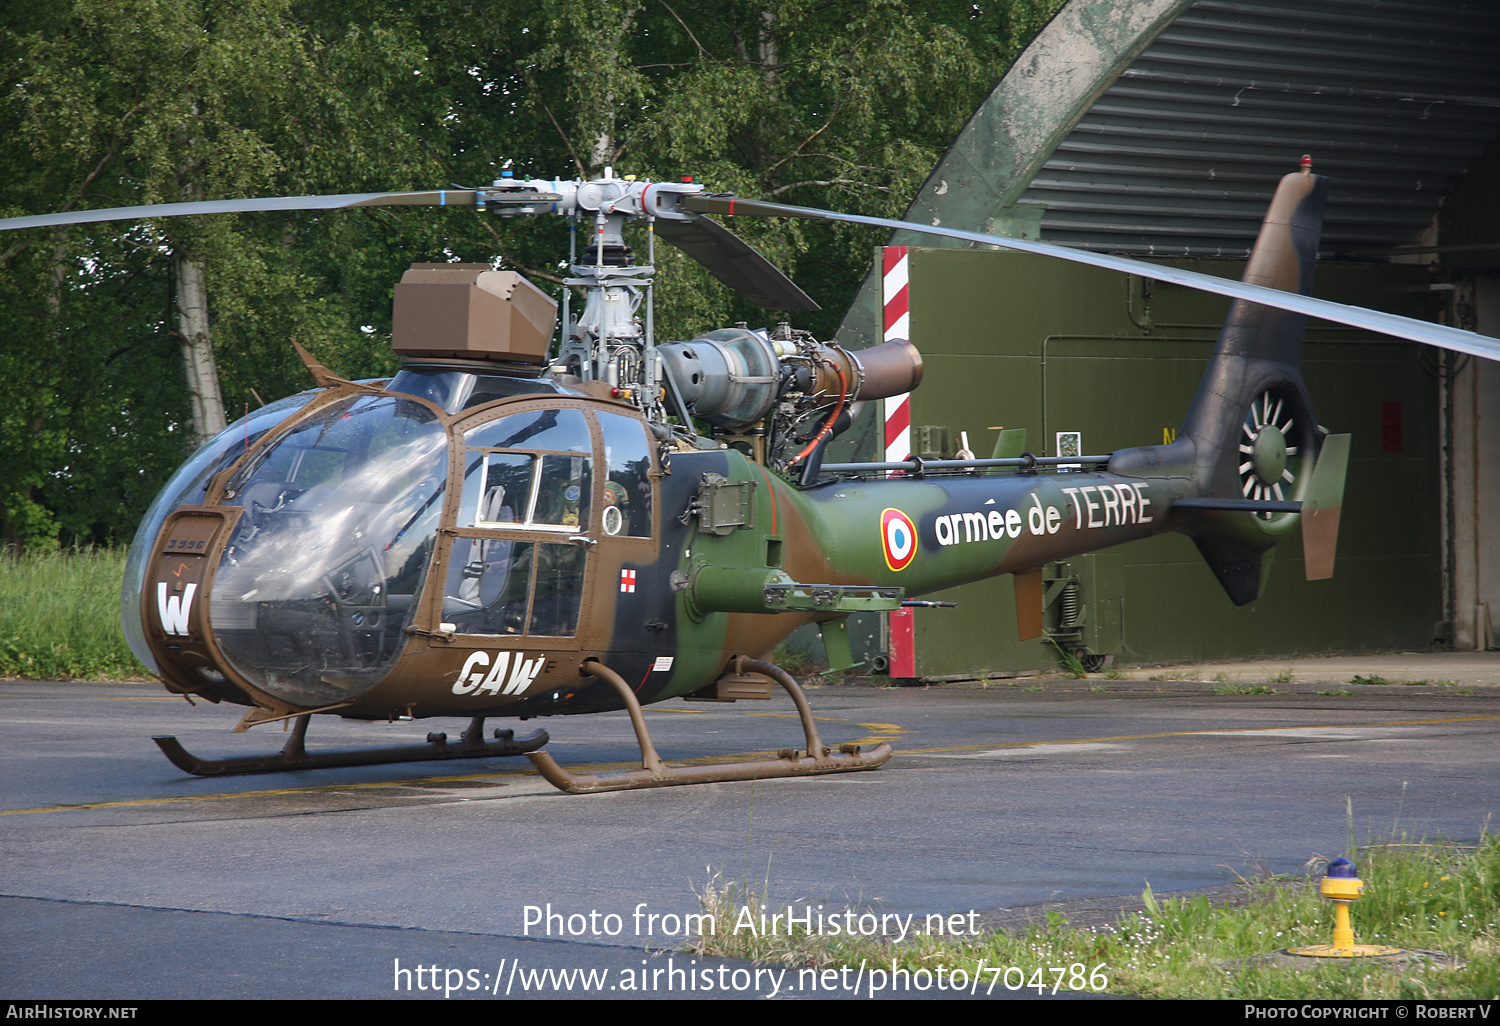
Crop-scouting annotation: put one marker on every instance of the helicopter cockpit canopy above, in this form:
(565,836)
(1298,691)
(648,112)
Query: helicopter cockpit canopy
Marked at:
(189,487)
(317,584)
(334,506)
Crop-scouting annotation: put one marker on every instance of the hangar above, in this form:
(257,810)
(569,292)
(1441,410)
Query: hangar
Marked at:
(1157,129)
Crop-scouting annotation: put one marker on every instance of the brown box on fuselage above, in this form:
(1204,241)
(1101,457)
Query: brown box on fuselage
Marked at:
(468,311)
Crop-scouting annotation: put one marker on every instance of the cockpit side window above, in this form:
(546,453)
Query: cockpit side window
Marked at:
(563,430)
(527,475)
(627,479)
(507,586)
(529,471)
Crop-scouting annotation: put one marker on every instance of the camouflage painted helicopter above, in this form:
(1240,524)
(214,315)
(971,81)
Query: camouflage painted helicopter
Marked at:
(506,530)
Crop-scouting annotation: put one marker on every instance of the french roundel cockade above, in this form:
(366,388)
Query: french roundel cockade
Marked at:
(899,539)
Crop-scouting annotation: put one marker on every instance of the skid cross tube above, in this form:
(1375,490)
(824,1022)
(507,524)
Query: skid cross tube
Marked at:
(295,756)
(789,762)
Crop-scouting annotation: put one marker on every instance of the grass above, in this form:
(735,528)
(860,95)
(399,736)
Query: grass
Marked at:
(1072,666)
(1284,677)
(60,615)
(1418,896)
(1374,679)
(796,662)
(1227,688)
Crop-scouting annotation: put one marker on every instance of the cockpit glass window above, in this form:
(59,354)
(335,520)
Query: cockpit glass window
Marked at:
(555,430)
(504,586)
(189,487)
(563,489)
(504,491)
(317,585)
(508,482)
(489,585)
(627,480)
(526,475)
(559,590)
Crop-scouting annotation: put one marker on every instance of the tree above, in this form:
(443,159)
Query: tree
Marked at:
(838,103)
(123,102)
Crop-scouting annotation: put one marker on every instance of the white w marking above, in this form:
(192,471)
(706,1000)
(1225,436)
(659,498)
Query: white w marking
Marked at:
(174,610)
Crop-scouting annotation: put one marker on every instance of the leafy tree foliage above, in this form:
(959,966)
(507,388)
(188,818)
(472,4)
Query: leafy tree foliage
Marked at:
(838,103)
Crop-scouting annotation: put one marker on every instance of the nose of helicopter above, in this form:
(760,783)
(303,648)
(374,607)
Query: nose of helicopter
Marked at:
(316,586)
(330,534)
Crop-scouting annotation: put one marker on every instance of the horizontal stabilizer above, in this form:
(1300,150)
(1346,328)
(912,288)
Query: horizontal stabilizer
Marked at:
(1241,505)
(1322,505)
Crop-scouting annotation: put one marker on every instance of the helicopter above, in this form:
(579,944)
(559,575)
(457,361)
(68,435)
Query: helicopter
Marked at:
(513,528)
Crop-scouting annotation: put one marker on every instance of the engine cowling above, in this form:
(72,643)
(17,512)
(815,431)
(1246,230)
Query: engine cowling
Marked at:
(733,377)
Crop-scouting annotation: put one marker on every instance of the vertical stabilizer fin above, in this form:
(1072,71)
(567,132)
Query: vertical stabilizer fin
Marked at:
(1252,434)
(1321,506)
(1241,570)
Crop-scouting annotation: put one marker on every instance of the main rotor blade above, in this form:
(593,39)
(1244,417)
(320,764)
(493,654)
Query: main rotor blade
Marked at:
(433,198)
(736,263)
(1355,316)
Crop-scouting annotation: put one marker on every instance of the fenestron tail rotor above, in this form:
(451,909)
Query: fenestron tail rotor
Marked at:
(1269,450)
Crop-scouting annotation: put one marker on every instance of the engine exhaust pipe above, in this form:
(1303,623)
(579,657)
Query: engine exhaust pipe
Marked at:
(879,372)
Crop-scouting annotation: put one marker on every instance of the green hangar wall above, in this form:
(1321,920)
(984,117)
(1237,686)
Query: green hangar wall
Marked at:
(1158,129)
(1014,341)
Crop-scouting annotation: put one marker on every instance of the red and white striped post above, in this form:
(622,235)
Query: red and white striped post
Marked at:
(897,323)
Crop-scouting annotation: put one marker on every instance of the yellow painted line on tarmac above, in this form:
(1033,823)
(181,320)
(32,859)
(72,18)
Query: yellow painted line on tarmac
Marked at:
(260,794)
(1193,733)
(331,788)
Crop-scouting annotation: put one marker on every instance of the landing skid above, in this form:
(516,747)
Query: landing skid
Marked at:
(817,760)
(294,756)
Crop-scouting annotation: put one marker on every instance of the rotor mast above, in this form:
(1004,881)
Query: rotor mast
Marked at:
(611,340)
